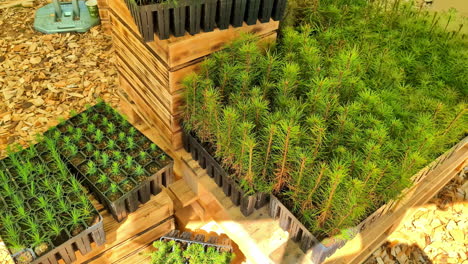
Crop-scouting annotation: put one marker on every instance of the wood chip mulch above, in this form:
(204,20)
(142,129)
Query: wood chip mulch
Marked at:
(44,77)
(436,233)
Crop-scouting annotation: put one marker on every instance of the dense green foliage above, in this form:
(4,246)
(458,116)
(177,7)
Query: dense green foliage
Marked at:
(337,117)
(41,202)
(171,252)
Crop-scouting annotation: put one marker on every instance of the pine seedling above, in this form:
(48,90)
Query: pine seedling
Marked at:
(132,131)
(42,202)
(91,167)
(105,160)
(142,155)
(84,119)
(77,134)
(91,128)
(22,211)
(75,185)
(49,215)
(114,188)
(154,147)
(94,117)
(105,121)
(74,217)
(73,113)
(63,205)
(337,173)
(55,228)
(89,147)
(96,155)
(111,128)
(287,137)
(58,191)
(98,136)
(139,171)
(131,143)
(128,162)
(115,168)
(121,136)
(111,144)
(56,135)
(103,179)
(117,155)
(7,190)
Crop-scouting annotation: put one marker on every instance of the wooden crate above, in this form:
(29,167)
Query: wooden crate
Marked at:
(103,6)
(150,73)
(262,240)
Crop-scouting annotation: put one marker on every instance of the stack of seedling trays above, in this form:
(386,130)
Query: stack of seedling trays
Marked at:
(176,17)
(118,163)
(45,213)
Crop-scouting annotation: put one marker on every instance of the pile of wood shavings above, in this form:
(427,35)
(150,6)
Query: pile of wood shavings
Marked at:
(44,77)
(436,233)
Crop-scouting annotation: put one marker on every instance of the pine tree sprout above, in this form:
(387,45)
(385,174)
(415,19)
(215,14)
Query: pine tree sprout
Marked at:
(111,144)
(105,121)
(154,147)
(105,160)
(117,155)
(131,143)
(97,155)
(122,136)
(91,168)
(89,147)
(128,162)
(143,155)
(132,131)
(103,179)
(114,188)
(139,171)
(91,128)
(84,118)
(115,168)
(110,128)
(98,136)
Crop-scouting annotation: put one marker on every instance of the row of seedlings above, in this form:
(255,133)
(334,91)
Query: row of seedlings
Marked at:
(45,213)
(176,17)
(121,165)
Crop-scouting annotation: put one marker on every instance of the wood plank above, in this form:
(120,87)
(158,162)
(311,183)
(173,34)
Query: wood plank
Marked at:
(157,209)
(120,11)
(143,52)
(124,251)
(183,193)
(143,91)
(189,48)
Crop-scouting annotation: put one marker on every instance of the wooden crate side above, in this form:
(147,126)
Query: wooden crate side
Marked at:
(144,55)
(187,49)
(159,208)
(379,226)
(139,89)
(120,11)
(145,112)
(125,250)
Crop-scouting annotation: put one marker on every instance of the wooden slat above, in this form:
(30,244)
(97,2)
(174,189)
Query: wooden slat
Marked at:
(183,193)
(125,251)
(189,48)
(154,211)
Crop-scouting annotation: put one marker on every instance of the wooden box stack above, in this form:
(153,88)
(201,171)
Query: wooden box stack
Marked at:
(150,73)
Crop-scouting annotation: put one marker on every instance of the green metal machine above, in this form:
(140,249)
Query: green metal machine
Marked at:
(60,17)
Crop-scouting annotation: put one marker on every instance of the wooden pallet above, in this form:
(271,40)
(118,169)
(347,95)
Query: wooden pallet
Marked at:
(150,73)
(262,240)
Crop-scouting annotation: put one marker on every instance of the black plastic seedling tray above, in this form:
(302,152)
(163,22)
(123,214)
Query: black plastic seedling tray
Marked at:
(231,188)
(190,238)
(64,249)
(148,184)
(178,17)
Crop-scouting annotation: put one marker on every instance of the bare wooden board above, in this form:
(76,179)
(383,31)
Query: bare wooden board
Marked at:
(124,238)
(183,193)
